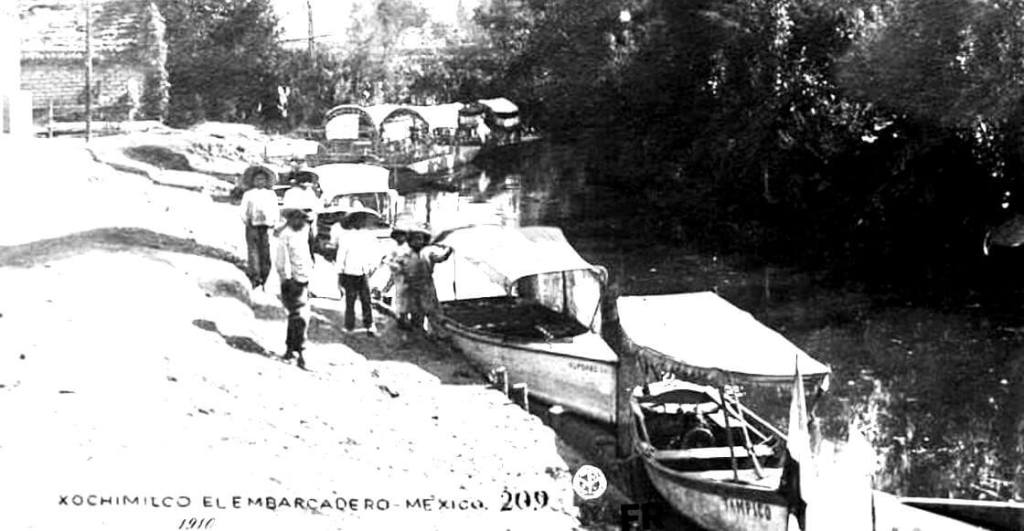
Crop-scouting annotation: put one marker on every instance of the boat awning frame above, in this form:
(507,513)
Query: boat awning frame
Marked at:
(508,254)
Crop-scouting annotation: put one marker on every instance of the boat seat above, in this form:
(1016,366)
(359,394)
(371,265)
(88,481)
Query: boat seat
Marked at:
(715,452)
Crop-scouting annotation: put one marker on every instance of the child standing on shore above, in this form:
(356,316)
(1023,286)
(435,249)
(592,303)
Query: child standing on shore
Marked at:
(415,270)
(259,213)
(294,266)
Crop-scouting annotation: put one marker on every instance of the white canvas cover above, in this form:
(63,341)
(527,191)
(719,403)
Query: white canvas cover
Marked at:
(444,116)
(500,106)
(508,254)
(536,263)
(342,127)
(697,333)
(379,112)
(340,178)
(397,127)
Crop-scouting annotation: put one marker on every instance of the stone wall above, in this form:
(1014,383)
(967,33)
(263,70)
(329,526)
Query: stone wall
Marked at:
(117,87)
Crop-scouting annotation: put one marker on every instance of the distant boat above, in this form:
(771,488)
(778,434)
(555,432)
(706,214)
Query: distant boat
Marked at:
(351,189)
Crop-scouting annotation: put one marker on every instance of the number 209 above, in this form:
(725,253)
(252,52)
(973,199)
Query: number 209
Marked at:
(522,500)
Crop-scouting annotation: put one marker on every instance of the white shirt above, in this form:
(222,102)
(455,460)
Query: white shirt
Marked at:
(301,198)
(359,253)
(259,207)
(294,260)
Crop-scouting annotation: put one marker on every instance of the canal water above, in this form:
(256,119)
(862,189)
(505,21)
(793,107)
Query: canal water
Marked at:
(937,392)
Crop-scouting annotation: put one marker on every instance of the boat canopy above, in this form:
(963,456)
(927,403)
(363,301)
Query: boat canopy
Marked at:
(341,178)
(702,333)
(444,116)
(509,254)
(500,106)
(378,113)
(343,123)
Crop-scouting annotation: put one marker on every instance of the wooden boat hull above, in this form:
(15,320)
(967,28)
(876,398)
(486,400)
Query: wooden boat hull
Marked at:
(560,372)
(717,505)
(995,515)
(445,161)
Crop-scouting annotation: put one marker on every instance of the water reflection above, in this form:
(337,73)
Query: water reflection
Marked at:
(530,185)
(939,395)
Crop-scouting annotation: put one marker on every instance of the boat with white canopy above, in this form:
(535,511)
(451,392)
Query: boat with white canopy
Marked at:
(699,335)
(524,299)
(423,140)
(346,188)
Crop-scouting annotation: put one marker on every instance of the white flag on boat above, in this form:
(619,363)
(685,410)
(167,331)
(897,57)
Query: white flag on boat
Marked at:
(798,476)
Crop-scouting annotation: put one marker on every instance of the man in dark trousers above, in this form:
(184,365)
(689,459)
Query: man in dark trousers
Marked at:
(359,255)
(260,214)
(294,267)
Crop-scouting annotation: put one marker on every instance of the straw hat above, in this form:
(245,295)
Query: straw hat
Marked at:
(250,173)
(420,228)
(289,213)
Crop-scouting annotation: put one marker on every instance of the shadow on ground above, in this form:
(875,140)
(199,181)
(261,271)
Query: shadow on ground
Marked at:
(111,238)
(393,344)
(242,343)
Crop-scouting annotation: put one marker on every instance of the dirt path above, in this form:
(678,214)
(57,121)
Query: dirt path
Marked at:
(134,362)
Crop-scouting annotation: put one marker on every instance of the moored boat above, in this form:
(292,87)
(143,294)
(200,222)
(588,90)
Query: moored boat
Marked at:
(725,468)
(989,514)
(711,462)
(695,336)
(523,299)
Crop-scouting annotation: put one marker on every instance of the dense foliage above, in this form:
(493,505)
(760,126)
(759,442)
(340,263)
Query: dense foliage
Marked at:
(223,58)
(875,132)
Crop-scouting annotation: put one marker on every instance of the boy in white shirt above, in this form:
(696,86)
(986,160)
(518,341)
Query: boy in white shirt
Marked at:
(295,266)
(259,213)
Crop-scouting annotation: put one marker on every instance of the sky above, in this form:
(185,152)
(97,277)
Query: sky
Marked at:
(330,16)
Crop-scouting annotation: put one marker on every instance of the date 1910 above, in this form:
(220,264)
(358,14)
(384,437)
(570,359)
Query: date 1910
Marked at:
(196,523)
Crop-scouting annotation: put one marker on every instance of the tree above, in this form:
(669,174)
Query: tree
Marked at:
(155,93)
(948,61)
(223,59)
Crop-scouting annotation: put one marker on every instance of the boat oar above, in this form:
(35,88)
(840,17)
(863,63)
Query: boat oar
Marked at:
(746,438)
(728,435)
(767,425)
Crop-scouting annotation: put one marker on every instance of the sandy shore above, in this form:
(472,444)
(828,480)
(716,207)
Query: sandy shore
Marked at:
(135,362)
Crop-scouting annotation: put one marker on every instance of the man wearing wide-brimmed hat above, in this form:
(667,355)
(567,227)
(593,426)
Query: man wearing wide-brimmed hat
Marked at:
(259,213)
(302,196)
(295,267)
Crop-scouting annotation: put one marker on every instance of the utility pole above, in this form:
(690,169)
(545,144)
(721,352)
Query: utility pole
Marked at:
(88,70)
(312,39)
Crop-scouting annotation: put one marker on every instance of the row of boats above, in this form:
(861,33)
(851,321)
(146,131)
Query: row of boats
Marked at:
(524,300)
(419,139)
